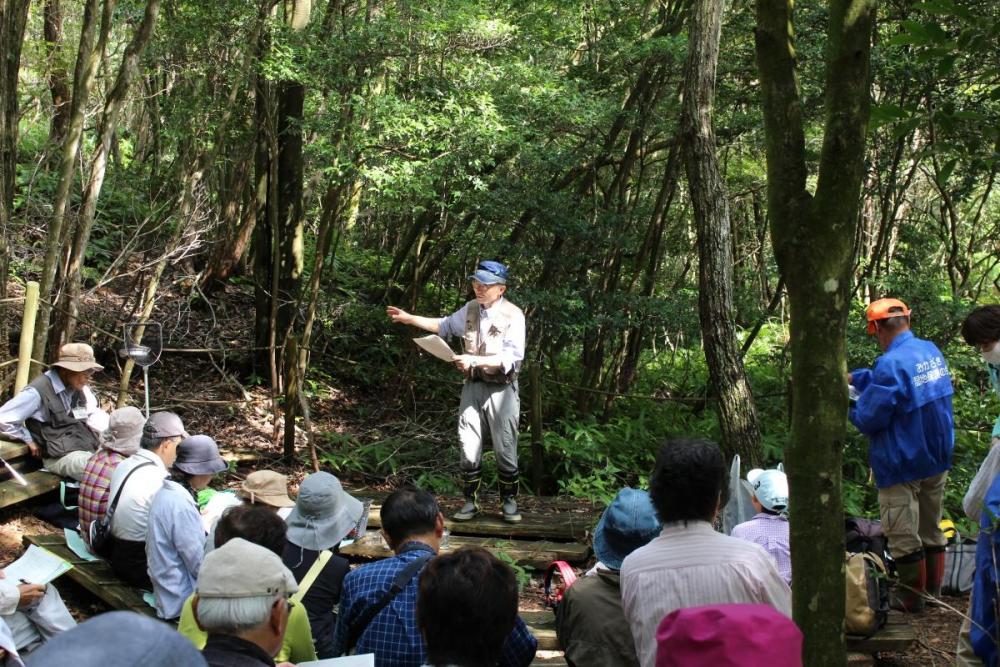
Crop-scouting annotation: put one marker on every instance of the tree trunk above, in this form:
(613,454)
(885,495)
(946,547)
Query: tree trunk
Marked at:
(13,17)
(813,241)
(58,77)
(737,415)
(87,60)
(70,297)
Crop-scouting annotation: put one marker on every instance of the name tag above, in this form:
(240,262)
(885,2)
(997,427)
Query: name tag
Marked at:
(80,412)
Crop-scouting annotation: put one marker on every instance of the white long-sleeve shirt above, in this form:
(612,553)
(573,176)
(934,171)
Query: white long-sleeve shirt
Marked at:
(27,404)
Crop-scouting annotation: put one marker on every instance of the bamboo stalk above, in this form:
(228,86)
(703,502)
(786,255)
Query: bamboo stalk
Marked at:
(27,336)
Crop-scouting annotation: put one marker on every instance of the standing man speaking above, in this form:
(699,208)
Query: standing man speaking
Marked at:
(493,332)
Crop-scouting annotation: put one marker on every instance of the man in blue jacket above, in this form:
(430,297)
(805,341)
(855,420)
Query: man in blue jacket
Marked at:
(903,405)
(983,628)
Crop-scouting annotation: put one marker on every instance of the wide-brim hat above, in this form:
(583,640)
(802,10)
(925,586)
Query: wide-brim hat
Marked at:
(728,634)
(77,357)
(199,455)
(124,430)
(628,523)
(266,487)
(324,513)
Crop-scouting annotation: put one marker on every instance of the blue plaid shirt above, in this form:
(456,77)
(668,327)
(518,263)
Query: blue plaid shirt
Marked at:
(393,635)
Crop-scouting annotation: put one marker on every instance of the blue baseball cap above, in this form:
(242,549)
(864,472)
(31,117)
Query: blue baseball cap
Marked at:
(628,523)
(490,273)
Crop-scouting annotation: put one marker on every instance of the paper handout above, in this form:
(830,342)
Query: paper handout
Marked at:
(36,566)
(436,346)
(77,545)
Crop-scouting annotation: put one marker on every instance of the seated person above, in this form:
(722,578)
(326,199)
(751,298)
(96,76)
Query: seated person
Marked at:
(590,623)
(769,527)
(119,442)
(33,613)
(466,608)
(728,634)
(268,488)
(258,525)
(689,564)
(242,603)
(175,539)
(323,515)
(129,520)
(265,488)
(9,657)
(57,414)
(118,638)
(412,525)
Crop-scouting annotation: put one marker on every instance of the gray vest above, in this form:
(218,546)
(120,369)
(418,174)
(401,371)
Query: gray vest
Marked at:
(62,433)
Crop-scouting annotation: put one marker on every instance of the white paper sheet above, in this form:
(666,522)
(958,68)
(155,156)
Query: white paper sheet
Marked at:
(363,660)
(36,566)
(436,346)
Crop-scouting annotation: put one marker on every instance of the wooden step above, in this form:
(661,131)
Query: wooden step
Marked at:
(543,625)
(524,552)
(564,526)
(11,451)
(95,576)
(39,483)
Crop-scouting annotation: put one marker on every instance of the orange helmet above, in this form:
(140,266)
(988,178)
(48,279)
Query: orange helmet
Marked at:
(879,310)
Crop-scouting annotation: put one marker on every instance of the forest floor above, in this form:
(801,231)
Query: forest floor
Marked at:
(214,398)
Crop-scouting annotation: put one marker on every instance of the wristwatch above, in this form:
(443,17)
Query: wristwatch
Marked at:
(472,364)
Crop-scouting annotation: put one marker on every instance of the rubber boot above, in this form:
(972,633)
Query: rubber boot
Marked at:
(508,493)
(908,594)
(470,488)
(934,558)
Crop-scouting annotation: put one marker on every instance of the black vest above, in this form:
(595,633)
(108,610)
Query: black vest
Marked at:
(62,433)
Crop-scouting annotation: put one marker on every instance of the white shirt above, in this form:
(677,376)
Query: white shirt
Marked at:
(28,404)
(131,517)
(690,566)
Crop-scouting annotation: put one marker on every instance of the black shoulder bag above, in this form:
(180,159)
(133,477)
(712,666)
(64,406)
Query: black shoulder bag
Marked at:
(100,529)
(358,627)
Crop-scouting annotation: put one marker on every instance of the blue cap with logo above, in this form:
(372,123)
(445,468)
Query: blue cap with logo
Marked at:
(490,273)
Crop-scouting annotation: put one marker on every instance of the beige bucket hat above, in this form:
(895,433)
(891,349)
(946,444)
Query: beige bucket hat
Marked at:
(266,487)
(77,357)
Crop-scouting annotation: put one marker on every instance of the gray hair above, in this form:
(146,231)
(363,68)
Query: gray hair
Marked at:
(233,616)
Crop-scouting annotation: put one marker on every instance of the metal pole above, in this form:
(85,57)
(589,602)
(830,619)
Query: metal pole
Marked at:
(145,383)
(27,336)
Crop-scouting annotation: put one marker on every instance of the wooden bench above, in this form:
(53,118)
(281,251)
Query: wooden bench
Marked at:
(537,554)
(95,576)
(39,482)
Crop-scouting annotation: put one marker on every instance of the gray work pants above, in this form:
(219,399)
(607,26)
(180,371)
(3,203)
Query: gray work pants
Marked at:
(494,407)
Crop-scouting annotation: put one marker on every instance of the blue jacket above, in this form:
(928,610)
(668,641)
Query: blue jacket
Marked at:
(984,588)
(904,408)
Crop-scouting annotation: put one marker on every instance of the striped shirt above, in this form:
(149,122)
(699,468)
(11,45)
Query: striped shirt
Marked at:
(771,532)
(95,485)
(689,566)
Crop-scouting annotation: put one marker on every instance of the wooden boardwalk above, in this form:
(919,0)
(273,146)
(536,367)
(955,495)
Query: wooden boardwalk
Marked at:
(39,482)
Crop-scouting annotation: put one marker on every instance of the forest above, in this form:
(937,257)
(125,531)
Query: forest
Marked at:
(696,200)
